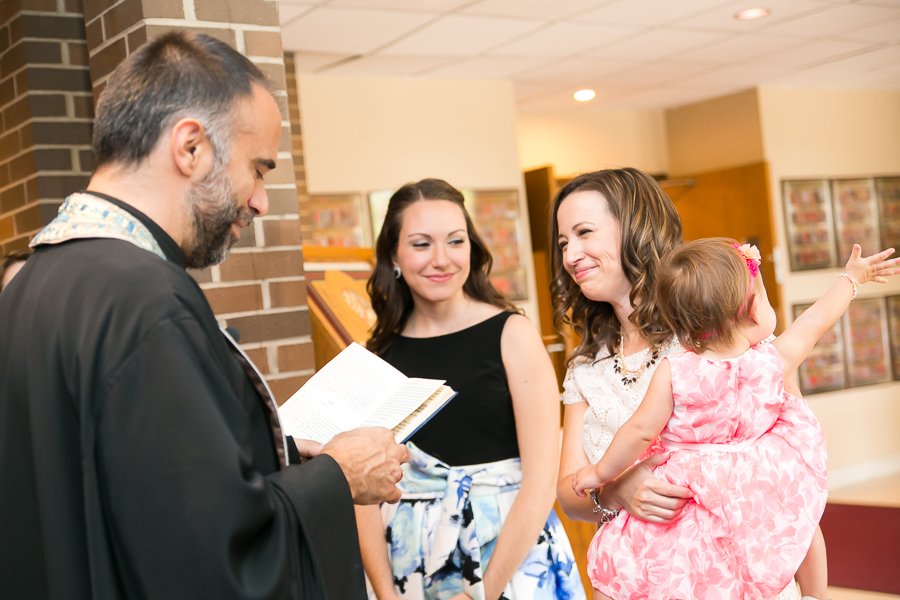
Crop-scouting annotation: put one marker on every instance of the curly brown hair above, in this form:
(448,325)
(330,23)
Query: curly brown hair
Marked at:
(391,299)
(702,290)
(650,228)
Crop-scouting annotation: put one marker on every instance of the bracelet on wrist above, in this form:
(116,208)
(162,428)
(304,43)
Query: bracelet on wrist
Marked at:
(852,281)
(606,515)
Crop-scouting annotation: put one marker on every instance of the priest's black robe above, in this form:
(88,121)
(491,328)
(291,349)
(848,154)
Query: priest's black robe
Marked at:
(136,460)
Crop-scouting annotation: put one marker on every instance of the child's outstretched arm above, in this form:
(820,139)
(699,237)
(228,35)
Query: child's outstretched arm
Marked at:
(634,436)
(797,341)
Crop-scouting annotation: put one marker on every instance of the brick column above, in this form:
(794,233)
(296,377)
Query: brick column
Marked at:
(260,289)
(45,114)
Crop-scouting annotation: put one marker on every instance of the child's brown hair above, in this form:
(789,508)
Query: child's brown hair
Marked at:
(702,290)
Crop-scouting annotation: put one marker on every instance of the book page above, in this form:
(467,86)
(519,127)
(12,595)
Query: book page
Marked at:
(406,428)
(340,396)
(402,402)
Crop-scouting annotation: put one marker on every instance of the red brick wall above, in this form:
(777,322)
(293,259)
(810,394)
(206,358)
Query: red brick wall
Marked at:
(45,114)
(260,289)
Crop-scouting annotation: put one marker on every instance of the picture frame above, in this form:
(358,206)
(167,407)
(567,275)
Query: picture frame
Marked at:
(866,339)
(809,223)
(887,190)
(336,220)
(893,310)
(825,368)
(496,216)
(855,210)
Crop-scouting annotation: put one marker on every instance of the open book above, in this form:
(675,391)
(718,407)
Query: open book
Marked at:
(358,389)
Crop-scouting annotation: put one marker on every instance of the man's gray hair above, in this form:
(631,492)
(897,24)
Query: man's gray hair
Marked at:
(174,76)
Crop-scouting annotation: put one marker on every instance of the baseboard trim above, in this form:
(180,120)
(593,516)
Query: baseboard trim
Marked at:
(863,472)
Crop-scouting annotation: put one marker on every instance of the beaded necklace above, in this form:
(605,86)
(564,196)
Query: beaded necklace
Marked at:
(629,376)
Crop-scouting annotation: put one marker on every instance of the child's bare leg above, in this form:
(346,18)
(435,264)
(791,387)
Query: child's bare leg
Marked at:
(598,595)
(812,575)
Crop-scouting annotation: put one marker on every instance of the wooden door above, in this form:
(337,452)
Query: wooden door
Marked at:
(731,203)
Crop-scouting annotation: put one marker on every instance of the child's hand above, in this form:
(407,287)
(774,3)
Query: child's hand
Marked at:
(585,479)
(872,268)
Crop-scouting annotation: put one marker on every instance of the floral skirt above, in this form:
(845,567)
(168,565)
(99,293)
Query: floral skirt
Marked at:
(442,533)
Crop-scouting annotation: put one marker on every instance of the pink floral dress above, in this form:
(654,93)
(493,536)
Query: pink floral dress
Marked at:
(754,456)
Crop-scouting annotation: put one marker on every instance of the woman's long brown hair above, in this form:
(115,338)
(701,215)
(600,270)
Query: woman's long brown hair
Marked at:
(391,299)
(650,227)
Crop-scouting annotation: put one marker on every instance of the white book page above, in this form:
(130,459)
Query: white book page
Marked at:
(340,396)
(403,402)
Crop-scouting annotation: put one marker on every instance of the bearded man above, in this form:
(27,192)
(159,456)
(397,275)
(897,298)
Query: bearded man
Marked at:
(140,452)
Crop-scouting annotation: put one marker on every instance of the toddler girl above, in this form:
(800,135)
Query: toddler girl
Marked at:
(753,455)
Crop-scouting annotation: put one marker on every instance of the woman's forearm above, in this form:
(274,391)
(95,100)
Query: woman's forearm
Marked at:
(374,551)
(520,531)
(575,507)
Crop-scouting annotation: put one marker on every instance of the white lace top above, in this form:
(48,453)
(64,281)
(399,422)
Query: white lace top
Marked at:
(610,402)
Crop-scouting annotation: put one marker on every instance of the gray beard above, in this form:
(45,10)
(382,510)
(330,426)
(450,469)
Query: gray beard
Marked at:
(214,207)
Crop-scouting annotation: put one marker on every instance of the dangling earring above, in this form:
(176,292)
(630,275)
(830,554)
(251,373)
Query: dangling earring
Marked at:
(397,272)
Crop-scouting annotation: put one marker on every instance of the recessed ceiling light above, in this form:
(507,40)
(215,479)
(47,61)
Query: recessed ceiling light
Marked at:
(749,14)
(584,95)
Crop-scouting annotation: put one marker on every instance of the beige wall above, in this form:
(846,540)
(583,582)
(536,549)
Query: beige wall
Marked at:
(714,134)
(362,134)
(819,133)
(579,140)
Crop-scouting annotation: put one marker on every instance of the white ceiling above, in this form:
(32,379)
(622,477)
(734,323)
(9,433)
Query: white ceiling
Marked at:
(634,53)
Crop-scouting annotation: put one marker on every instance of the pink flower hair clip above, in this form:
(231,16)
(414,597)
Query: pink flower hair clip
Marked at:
(751,254)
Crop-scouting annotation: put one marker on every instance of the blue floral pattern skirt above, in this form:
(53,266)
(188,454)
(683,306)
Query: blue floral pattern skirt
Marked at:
(442,533)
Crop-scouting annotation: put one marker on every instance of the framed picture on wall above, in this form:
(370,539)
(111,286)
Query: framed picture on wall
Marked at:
(888,191)
(866,336)
(378,205)
(893,310)
(824,368)
(495,214)
(336,220)
(855,216)
(809,222)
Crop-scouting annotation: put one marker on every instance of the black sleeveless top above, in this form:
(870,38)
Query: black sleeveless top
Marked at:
(478,425)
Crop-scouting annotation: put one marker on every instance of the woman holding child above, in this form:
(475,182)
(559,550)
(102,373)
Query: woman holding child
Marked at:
(476,517)
(612,228)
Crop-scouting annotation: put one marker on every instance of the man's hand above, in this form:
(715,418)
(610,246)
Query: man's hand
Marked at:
(308,449)
(370,460)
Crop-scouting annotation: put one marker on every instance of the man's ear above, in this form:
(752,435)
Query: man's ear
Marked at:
(191,148)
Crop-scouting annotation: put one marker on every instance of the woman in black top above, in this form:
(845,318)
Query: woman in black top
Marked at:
(479,487)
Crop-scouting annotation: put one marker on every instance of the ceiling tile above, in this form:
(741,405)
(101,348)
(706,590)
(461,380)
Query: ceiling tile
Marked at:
(661,98)
(722,18)
(387,66)
(432,6)
(739,76)
(486,67)
(807,53)
(886,31)
(536,9)
(834,21)
(457,35)
(652,74)
(290,11)
(656,44)
(350,31)
(563,39)
(308,62)
(575,71)
(865,61)
(645,13)
(737,48)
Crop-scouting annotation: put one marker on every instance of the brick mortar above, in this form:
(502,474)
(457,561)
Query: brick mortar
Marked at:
(287,374)
(260,249)
(262,311)
(294,341)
